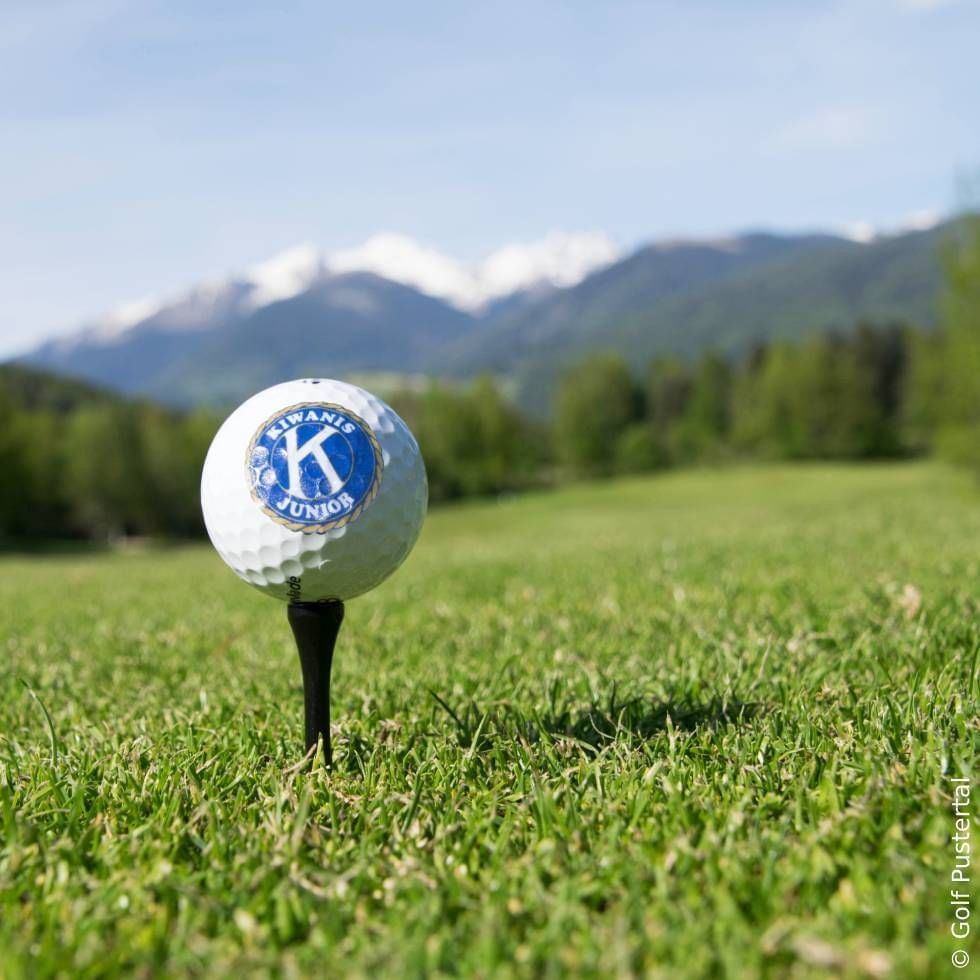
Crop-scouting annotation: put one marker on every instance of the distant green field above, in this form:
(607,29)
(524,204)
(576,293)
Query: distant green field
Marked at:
(699,725)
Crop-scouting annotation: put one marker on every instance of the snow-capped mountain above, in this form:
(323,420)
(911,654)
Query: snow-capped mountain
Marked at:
(558,259)
(204,306)
(373,306)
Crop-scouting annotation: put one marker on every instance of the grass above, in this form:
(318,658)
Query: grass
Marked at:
(700,725)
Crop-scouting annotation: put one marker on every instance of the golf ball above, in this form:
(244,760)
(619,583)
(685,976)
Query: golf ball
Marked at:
(313,489)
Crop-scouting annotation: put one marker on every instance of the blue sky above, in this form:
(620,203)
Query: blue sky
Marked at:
(150,145)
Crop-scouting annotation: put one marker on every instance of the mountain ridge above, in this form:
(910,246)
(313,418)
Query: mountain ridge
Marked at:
(342,324)
(776,287)
(217,343)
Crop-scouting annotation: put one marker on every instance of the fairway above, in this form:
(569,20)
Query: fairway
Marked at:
(694,725)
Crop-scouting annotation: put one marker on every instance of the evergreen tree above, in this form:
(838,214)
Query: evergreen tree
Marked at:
(594,404)
(472,441)
(104,463)
(17,480)
(706,419)
(924,391)
(668,392)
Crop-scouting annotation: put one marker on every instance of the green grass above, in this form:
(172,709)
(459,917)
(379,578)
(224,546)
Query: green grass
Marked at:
(699,725)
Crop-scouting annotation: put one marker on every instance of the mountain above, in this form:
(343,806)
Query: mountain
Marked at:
(342,324)
(133,347)
(524,312)
(131,357)
(685,297)
(388,305)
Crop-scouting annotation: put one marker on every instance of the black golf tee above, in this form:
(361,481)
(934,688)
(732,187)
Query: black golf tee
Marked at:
(315,626)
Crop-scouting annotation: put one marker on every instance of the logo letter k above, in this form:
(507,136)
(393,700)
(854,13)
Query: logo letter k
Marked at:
(312,447)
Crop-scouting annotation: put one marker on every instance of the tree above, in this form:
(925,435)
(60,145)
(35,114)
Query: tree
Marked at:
(595,402)
(959,430)
(669,384)
(763,402)
(706,418)
(639,449)
(104,466)
(924,391)
(668,392)
(17,480)
(473,442)
(172,450)
(880,356)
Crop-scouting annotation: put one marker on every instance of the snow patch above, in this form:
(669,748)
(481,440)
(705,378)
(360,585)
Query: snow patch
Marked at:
(402,259)
(284,275)
(118,321)
(558,259)
(921,220)
(861,232)
(864,231)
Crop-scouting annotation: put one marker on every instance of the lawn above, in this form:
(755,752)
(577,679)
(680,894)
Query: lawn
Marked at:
(696,725)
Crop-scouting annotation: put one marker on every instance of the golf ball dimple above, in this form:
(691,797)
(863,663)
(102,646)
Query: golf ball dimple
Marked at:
(313,490)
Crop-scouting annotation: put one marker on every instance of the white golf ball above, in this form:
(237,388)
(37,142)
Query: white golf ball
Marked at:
(313,490)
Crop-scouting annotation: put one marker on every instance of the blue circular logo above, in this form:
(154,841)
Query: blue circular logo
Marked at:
(314,467)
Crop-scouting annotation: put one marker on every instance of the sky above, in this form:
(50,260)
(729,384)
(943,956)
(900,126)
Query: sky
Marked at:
(148,146)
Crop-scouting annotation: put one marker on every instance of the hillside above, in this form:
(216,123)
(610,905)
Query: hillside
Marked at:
(30,389)
(133,358)
(686,298)
(343,324)
(211,347)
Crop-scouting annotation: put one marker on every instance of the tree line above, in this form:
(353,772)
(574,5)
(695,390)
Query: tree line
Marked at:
(77,462)
(98,467)
(836,396)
